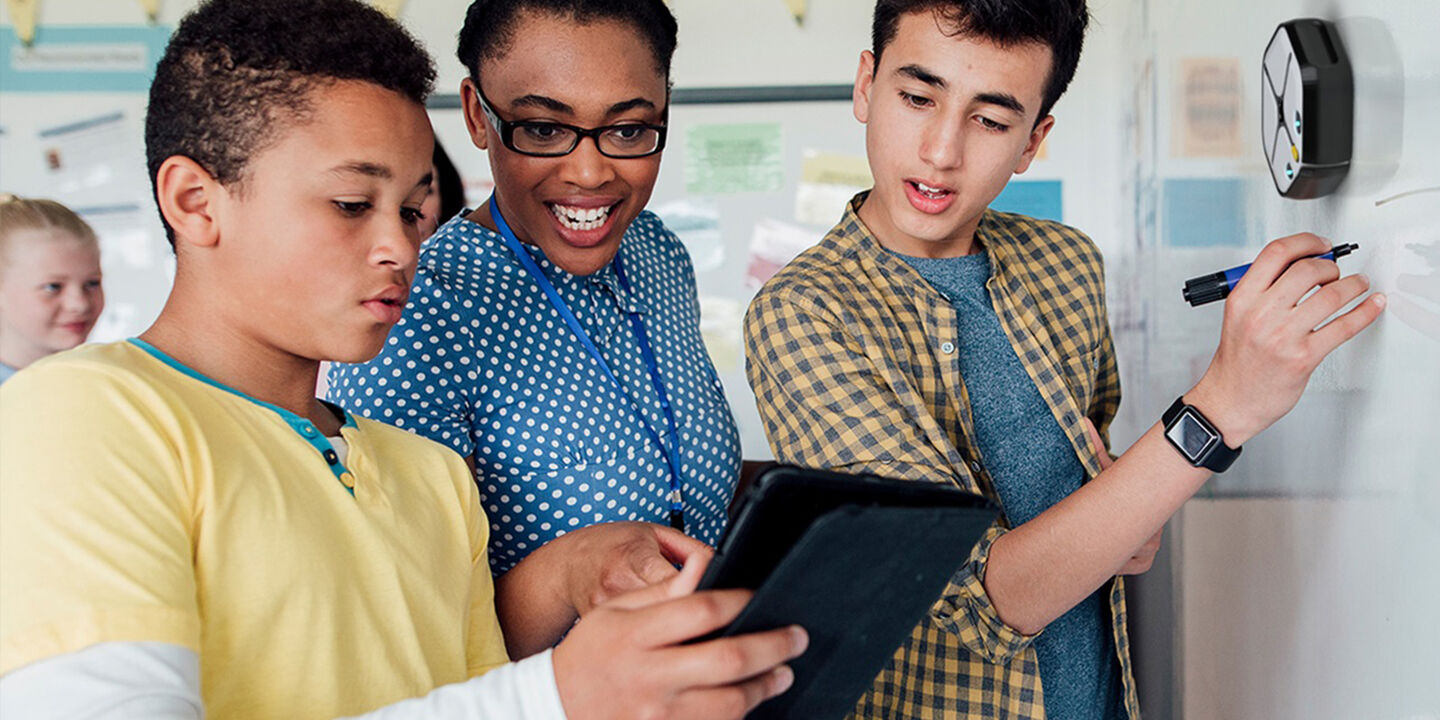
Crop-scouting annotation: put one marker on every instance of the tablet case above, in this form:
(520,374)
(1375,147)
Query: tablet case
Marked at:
(858,580)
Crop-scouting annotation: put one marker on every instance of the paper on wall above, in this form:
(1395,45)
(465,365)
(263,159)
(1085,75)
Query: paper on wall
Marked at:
(773,244)
(697,223)
(745,157)
(22,17)
(1208,109)
(827,182)
(720,325)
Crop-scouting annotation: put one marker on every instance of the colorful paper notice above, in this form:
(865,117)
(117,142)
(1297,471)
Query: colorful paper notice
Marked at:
(734,158)
(1208,109)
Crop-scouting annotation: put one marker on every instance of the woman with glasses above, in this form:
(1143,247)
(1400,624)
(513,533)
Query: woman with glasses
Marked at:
(552,335)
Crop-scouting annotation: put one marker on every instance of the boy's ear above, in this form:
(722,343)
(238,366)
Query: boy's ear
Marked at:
(864,83)
(474,116)
(1037,138)
(189,199)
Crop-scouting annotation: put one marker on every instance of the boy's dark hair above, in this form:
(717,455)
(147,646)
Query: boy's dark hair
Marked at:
(236,71)
(490,26)
(1058,24)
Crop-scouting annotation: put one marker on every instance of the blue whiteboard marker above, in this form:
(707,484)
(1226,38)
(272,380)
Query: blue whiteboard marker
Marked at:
(1217,286)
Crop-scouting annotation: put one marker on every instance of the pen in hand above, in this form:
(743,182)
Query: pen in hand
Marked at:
(1217,286)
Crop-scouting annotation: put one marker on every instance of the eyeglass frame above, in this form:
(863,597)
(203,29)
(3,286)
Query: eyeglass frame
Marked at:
(507,129)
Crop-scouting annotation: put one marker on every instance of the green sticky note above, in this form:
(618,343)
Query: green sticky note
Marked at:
(734,158)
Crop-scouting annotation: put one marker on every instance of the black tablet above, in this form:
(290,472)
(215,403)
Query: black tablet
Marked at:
(855,560)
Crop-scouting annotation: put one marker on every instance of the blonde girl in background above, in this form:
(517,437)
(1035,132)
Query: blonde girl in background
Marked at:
(50,291)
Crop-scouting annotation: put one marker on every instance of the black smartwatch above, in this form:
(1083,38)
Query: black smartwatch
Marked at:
(1196,437)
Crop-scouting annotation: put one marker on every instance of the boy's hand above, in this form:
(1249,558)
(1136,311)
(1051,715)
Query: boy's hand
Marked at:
(625,658)
(1269,344)
(609,559)
(1144,557)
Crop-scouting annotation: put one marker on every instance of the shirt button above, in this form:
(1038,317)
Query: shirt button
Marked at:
(307,430)
(975,465)
(947,347)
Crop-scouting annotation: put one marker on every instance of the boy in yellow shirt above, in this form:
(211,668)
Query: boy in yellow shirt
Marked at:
(185,530)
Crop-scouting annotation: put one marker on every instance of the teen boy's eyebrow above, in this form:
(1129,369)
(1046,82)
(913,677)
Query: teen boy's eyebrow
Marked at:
(925,76)
(374,170)
(367,169)
(1005,100)
(1002,99)
(548,103)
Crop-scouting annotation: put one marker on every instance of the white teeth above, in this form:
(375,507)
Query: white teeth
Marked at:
(580,218)
(930,191)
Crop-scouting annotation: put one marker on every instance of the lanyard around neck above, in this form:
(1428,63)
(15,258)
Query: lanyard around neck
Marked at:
(671,453)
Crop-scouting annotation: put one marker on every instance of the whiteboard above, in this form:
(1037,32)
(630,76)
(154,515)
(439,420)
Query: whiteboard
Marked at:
(1304,583)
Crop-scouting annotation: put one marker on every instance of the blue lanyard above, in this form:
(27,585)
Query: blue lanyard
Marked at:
(672,453)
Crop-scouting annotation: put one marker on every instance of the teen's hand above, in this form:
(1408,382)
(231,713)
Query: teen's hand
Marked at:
(609,559)
(1270,344)
(625,659)
(1143,558)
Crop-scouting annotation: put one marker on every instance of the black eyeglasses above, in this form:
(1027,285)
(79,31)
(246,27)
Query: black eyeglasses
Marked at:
(539,138)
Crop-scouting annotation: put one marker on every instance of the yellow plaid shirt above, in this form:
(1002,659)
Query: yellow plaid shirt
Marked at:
(853,359)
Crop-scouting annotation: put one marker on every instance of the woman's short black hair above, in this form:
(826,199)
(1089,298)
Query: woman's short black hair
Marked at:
(449,185)
(1057,24)
(490,26)
(237,72)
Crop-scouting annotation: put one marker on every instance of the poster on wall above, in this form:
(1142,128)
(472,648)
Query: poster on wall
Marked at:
(1208,109)
(733,158)
(82,59)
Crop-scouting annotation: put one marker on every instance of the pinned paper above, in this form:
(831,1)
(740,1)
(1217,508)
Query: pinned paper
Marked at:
(1042,199)
(744,157)
(22,16)
(1203,212)
(1208,109)
(772,246)
(392,8)
(827,182)
(721,319)
(697,223)
(797,10)
(152,9)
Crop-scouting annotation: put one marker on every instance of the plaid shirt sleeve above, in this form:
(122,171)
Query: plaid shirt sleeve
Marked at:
(826,405)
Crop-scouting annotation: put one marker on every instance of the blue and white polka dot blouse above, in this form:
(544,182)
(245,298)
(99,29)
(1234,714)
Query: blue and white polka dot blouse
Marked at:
(483,363)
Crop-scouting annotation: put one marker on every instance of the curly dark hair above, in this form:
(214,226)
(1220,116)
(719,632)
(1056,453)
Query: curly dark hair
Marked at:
(1059,24)
(236,72)
(490,26)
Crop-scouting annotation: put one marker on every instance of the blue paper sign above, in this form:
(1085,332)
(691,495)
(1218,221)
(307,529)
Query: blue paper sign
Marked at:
(1034,198)
(117,58)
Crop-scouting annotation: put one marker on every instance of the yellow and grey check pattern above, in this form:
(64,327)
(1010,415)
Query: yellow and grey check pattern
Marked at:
(853,360)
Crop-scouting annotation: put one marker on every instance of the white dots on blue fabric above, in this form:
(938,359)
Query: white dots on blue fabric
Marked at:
(481,363)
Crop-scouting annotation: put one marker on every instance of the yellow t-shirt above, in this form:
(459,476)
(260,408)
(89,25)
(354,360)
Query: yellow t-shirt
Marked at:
(141,502)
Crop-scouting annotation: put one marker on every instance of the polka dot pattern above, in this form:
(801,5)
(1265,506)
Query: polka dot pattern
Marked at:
(482,363)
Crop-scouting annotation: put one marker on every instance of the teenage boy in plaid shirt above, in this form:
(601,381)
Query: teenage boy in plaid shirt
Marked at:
(929,337)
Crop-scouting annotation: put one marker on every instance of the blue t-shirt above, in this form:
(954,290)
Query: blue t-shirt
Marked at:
(483,363)
(1033,466)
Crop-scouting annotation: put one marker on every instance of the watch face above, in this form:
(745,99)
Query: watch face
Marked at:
(1191,435)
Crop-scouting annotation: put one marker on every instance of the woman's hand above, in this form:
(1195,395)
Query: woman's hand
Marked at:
(611,559)
(539,599)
